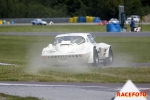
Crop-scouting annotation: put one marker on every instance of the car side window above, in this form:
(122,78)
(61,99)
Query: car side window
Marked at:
(91,38)
(57,40)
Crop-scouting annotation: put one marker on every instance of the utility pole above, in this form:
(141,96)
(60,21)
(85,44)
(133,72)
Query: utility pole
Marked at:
(124,4)
(121,10)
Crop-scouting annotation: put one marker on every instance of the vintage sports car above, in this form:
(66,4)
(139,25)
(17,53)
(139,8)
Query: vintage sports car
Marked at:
(77,48)
(38,22)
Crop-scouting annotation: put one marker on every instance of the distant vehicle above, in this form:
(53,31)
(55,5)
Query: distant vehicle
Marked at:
(77,48)
(113,20)
(128,21)
(38,22)
(136,18)
(103,22)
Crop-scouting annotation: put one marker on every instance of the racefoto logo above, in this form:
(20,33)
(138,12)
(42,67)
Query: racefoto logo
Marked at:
(130,92)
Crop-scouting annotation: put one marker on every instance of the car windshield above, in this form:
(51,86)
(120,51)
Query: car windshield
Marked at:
(73,39)
(134,17)
(38,19)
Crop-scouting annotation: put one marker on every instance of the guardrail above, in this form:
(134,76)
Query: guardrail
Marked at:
(86,19)
(28,20)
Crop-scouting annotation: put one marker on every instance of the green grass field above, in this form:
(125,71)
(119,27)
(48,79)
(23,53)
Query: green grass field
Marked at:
(24,52)
(19,48)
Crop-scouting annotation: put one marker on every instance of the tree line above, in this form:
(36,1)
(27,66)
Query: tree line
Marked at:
(105,9)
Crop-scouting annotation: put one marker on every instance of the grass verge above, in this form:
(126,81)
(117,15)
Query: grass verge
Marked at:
(10,97)
(62,28)
(75,74)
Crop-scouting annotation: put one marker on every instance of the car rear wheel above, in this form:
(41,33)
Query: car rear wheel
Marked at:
(108,60)
(95,58)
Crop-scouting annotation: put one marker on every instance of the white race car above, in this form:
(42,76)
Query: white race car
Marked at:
(77,48)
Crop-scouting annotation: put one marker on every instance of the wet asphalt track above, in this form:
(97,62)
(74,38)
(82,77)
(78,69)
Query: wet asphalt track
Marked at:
(69,91)
(66,91)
